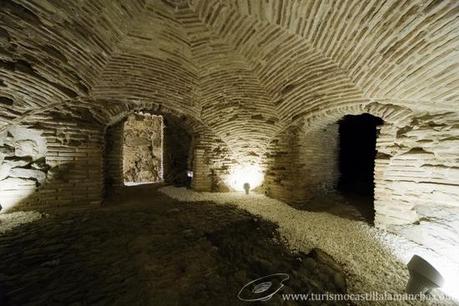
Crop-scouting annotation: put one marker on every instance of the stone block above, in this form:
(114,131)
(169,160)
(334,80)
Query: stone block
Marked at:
(34,174)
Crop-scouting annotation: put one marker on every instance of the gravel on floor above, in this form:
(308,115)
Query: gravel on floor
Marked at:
(144,248)
(373,259)
(11,220)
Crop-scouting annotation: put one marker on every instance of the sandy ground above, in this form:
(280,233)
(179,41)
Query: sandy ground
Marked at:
(144,248)
(373,260)
(11,220)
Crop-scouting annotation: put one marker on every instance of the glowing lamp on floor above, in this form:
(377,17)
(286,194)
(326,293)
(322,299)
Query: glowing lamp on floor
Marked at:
(423,276)
(246,178)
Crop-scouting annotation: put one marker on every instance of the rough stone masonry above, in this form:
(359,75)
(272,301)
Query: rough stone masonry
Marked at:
(143,149)
(252,82)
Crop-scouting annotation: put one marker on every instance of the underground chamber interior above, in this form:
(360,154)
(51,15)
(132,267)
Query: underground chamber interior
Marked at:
(103,116)
(356,161)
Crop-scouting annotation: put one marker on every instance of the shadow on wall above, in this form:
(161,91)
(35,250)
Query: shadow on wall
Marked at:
(50,165)
(56,190)
(177,153)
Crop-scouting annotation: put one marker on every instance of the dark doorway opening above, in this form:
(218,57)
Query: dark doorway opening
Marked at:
(356,160)
(178,148)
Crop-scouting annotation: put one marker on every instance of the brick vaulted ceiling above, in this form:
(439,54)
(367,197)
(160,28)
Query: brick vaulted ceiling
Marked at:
(244,68)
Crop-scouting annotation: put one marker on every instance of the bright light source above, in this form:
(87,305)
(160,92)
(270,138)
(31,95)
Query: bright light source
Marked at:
(245,174)
(189,173)
(450,272)
(450,286)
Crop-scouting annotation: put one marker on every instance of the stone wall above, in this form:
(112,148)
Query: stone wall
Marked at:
(212,162)
(418,168)
(246,72)
(417,181)
(301,163)
(23,165)
(52,162)
(416,171)
(143,149)
(62,160)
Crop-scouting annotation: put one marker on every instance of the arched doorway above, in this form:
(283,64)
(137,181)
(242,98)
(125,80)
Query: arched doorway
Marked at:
(159,149)
(356,160)
(327,165)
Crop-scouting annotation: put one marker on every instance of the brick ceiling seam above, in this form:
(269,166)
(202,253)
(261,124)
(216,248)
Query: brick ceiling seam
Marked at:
(154,56)
(80,100)
(308,45)
(299,107)
(205,46)
(40,12)
(211,34)
(417,21)
(116,48)
(212,6)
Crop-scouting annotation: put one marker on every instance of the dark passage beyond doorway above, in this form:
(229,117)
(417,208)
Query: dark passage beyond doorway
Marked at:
(357,152)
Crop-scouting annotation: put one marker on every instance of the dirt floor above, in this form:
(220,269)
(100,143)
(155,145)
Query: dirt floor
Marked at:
(345,205)
(144,248)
